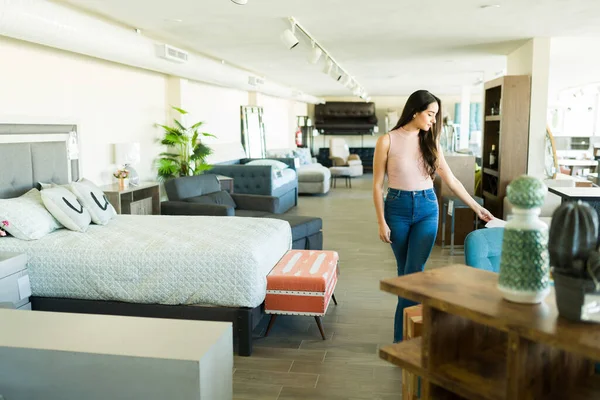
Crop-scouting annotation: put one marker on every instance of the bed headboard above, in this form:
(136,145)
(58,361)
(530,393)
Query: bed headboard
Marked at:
(36,153)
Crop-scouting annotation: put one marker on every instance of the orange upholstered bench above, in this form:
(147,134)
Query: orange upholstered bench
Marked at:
(302,283)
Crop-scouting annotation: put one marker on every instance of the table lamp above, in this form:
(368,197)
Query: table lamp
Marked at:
(128,154)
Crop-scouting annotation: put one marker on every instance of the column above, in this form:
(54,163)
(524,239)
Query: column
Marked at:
(533,58)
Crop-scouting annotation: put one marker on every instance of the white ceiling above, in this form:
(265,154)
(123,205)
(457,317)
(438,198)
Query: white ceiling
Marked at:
(392,47)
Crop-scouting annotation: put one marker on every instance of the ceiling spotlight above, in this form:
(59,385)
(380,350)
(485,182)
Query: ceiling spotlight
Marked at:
(328,67)
(490,6)
(315,54)
(240,2)
(289,39)
(336,74)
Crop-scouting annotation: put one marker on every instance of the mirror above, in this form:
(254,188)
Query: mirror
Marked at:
(550,158)
(253,132)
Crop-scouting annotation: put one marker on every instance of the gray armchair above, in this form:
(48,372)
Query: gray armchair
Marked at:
(202,195)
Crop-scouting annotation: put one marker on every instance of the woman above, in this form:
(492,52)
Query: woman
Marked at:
(410,155)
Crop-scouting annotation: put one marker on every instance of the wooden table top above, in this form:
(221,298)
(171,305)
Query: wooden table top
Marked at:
(472,293)
(584,193)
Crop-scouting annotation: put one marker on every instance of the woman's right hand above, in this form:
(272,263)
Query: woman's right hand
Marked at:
(385,233)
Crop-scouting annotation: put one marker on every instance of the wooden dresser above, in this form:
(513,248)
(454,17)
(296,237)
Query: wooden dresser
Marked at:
(476,345)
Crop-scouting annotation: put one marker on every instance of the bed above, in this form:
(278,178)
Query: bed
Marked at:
(190,267)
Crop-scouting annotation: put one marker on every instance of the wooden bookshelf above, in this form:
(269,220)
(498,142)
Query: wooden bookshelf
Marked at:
(478,346)
(506,125)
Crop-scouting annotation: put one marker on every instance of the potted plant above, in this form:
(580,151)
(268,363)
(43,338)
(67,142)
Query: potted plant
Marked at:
(574,257)
(188,154)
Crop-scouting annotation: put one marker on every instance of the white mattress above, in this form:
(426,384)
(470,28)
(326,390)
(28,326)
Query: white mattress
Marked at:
(287,175)
(221,261)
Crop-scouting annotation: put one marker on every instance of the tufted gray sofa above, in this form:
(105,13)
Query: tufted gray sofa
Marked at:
(257,179)
(202,195)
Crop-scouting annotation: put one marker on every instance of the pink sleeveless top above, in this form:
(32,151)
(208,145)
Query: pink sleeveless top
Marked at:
(405,168)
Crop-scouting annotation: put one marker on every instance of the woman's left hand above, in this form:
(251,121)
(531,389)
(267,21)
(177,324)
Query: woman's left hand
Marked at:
(484,214)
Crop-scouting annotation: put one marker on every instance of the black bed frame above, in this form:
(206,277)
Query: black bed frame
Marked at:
(244,319)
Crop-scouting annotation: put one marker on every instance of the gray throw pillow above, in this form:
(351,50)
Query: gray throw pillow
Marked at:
(220,198)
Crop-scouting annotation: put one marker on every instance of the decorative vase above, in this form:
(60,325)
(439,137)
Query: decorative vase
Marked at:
(123,183)
(524,265)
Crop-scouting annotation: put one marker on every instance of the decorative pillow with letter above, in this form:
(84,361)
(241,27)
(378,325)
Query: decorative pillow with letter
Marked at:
(28,218)
(66,208)
(94,199)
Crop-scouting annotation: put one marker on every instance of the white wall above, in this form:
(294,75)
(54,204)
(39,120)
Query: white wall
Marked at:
(218,108)
(110,103)
(279,118)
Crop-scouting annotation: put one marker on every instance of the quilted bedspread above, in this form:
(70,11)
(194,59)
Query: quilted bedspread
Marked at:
(221,261)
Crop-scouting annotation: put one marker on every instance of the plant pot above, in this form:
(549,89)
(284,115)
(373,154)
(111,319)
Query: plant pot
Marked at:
(123,183)
(570,293)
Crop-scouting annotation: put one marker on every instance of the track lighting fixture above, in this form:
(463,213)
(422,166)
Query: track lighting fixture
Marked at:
(315,54)
(331,67)
(335,74)
(328,67)
(289,39)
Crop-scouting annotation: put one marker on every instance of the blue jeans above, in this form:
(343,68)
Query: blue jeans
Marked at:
(412,217)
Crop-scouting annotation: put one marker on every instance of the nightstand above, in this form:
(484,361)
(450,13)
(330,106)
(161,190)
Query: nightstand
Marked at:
(14,281)
(143,199)
(226,183)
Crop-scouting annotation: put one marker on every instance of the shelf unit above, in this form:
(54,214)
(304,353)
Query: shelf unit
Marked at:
(506,126)
(477,346)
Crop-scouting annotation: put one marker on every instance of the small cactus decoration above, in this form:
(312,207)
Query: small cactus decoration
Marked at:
(574,257)
(524,265)
(573,237)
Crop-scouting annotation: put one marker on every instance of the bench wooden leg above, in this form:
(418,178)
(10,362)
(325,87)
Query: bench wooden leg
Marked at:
(333,298)
(318,319)
(271,323)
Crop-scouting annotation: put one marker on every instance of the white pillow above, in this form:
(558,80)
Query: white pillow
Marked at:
(66,208)
(27,217)
(274,163)
(94,200)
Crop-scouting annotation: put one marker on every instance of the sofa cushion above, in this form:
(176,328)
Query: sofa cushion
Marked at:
(221,198)
(303,155)
(301,226)
(251,213)
(313,173)
(191,186)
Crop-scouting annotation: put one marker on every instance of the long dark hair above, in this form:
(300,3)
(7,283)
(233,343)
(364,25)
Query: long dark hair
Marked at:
(416,103)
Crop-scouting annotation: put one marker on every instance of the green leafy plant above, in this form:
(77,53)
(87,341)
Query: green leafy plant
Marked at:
(188,154)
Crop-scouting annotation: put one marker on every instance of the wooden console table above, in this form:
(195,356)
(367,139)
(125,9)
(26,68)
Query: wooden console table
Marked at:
(477,346)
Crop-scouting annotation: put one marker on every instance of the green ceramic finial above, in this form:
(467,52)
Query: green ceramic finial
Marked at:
(526,192)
